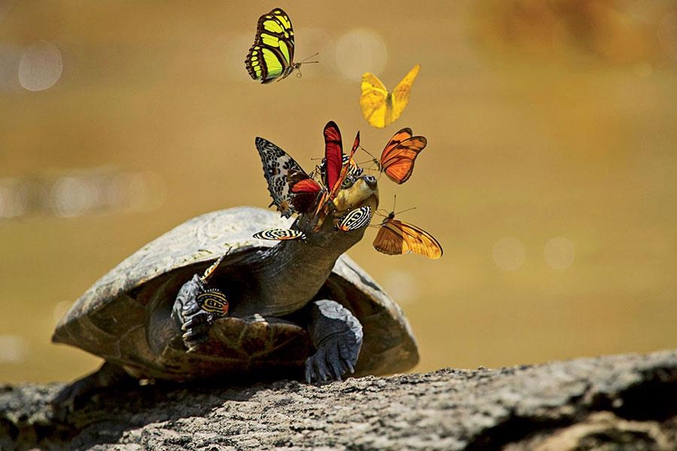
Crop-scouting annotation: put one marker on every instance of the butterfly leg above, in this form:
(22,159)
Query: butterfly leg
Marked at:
(337,337)
(192,311)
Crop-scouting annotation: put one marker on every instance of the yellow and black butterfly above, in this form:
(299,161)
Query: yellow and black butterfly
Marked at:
(272,55)
(380,107)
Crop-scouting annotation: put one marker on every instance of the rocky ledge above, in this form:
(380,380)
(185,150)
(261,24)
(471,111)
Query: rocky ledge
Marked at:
(615,402)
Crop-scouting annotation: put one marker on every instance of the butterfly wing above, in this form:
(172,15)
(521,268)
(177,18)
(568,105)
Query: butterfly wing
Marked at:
(355,219)
(400,95)
(389,239)
(279,169)
(272,55)
(279,234)
(399,155)
(333,155)
(380,107)
(373,100)
(304,193)
(397,237)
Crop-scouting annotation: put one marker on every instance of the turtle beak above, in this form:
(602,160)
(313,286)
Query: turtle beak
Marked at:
(371,181)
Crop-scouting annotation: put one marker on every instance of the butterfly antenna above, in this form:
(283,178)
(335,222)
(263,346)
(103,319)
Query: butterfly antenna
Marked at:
(368,153)
(305,61)
(373,158)
(402,211)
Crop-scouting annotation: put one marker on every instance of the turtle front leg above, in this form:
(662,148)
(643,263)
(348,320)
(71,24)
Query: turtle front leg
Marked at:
(195,309)
(337,336)
(71,396)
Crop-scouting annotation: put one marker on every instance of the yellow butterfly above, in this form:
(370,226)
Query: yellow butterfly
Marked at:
(380,107)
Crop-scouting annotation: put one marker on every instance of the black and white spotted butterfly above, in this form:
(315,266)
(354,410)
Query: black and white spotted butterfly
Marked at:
(279,234)
(355,219)
(292,190)
(214,302)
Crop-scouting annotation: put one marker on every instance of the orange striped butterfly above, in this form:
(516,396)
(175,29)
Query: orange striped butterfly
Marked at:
(395,237)
(399,155)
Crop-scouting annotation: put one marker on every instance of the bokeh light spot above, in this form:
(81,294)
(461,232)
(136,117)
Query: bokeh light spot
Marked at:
(13,349)
(402,286)
(559,253)
(509,254)
(40,66)
(72,196)
(359,51)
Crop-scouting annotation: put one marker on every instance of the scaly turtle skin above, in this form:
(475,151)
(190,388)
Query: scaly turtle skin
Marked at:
(293,305)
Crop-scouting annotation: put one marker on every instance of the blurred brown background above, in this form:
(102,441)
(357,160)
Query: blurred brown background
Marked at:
(549,177)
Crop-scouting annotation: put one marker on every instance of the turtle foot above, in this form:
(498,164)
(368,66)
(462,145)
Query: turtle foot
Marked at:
(74,395)
(195,309)
(337,336)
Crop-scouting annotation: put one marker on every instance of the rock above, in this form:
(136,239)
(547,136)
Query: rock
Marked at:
(615,402)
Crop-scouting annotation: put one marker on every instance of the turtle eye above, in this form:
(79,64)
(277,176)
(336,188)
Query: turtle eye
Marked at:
(348,182)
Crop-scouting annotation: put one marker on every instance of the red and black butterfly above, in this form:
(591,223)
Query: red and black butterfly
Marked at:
(335,171)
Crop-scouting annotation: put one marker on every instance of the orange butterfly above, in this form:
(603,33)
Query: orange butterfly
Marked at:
(397,237)
(399,155)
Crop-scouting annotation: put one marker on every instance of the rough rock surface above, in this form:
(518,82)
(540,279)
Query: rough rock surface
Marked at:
(615,402)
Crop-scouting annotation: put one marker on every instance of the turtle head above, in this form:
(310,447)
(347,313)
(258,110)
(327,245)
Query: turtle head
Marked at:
(356,193)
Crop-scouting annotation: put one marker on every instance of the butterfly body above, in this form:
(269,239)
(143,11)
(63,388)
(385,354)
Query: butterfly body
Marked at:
(399,155)
(381,107)
(395,237)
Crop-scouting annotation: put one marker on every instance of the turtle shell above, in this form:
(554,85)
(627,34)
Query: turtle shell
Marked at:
(120,319)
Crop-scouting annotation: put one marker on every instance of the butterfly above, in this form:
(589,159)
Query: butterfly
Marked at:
(380,107)
(396,237)
(335,171)
(290,187)
(355,219)
(214,302)
(338,166)
(272,55)
(399,155)
(279,234)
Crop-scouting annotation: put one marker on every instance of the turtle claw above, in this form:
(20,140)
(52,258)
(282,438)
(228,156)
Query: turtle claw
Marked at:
(337,336)
(331,361)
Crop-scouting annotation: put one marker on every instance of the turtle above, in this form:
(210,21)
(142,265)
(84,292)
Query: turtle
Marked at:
(207,300)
